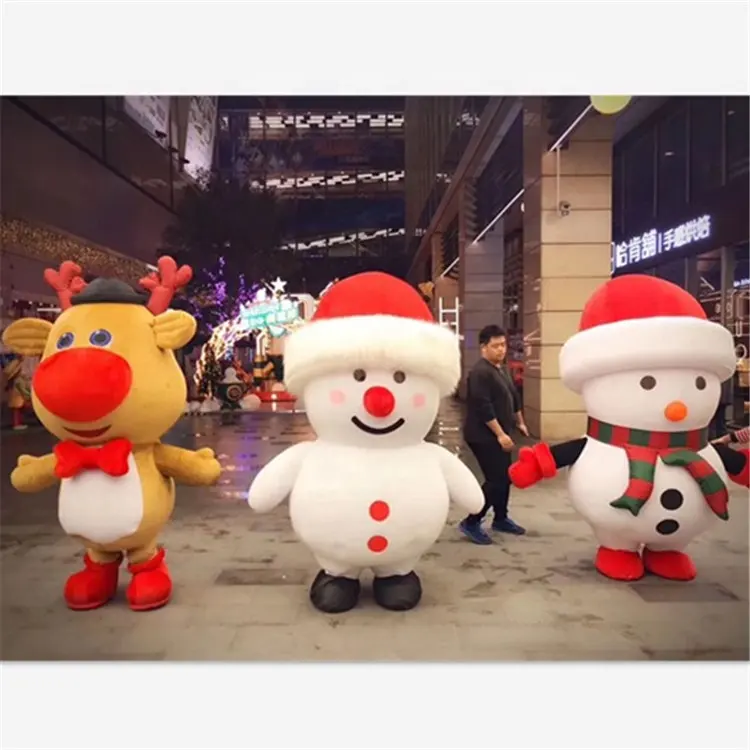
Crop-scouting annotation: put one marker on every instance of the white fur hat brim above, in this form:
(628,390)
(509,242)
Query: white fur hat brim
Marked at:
(643,343)
(376,341)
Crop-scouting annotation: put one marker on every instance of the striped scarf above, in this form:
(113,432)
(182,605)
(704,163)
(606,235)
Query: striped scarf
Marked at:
(644,447)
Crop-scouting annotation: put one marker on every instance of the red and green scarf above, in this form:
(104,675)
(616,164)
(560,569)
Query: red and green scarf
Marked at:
(644,447)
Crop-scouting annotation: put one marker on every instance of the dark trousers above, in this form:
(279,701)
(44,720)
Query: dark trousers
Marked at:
(718,426)
(494,463)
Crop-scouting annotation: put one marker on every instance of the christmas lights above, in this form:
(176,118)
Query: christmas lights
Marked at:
(54,247)
(262,315)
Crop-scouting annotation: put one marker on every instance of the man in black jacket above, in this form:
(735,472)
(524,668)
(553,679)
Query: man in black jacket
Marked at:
(493,411)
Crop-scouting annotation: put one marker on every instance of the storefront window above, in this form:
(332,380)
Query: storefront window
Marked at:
(640,180)
(706,144)
(81,118)
(674,271)
(672,162)
(707,280)
(738,135)
(739,305)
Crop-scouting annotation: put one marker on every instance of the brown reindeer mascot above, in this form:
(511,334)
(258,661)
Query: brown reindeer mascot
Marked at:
(109,387)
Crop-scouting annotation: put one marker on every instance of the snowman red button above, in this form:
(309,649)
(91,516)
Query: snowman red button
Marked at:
(379,510)
(377,543)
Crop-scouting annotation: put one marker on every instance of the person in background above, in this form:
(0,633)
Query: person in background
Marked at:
(718,426)
(739,436)
(493,411)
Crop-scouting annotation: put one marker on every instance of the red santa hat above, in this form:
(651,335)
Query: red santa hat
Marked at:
(372,320)
(639,322)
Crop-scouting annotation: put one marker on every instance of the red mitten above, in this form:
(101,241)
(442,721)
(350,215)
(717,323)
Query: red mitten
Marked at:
(533,465)
(743,478)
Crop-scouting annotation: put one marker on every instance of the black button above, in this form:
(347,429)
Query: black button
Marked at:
(671,499)
(669,526)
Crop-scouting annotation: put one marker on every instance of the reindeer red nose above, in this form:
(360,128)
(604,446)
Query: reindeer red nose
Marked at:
(82,385)
(379,401)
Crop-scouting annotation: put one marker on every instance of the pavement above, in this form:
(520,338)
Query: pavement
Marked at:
(241,579)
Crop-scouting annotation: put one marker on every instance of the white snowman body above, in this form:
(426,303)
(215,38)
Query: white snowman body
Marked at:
(357,508)
(676,511)
(370,493)
(370,369)
(674,515)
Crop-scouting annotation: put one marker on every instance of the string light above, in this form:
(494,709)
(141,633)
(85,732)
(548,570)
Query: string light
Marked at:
(344,239)
(226,334)
(54,248)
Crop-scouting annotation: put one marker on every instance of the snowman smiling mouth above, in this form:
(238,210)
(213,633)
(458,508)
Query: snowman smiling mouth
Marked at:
(378,430)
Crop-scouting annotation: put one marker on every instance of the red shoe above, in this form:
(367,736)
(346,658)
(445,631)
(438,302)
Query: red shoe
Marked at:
(676,566)
(151,586)
(619,564)
(93,586)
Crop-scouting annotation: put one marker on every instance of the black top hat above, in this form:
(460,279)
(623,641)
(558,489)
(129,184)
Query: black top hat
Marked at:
(108,290)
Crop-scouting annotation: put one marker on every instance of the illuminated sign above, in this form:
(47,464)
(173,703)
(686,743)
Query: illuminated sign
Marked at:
(654,242)
(271,315)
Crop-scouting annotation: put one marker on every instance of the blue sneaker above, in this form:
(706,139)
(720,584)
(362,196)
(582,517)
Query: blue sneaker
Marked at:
(506,526)
(474,533)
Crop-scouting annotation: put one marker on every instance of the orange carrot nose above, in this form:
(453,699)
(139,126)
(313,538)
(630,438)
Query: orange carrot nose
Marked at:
(675,411)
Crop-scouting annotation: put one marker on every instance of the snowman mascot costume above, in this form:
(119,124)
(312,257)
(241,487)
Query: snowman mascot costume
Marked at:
(649,367)
(370,367)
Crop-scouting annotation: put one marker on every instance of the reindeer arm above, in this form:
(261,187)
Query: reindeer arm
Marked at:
(34,473)
(196,468)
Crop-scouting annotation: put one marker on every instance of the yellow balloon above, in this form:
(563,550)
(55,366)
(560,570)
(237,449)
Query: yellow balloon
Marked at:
(610,105)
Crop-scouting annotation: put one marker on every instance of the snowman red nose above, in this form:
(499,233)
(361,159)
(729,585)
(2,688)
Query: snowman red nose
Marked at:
(379,401)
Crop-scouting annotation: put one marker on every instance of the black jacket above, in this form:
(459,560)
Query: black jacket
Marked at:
(490,395)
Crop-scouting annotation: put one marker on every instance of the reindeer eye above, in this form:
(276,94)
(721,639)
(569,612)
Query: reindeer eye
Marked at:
(100,337)
(65,341)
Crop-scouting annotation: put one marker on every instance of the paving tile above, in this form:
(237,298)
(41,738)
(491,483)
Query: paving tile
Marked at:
(241,580)
(683,592)
(262,577)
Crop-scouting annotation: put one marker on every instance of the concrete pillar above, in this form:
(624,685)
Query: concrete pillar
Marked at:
(483,281)
(566,256)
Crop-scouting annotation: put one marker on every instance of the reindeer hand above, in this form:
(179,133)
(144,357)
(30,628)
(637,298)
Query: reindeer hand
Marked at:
(66,282)
(164,283)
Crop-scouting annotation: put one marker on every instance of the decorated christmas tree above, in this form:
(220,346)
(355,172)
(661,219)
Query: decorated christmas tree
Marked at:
(211,375)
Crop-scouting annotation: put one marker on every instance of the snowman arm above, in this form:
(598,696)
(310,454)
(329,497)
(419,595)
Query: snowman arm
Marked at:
(276,479)
(542,461)
(566,454)
(736,463)
(463,487)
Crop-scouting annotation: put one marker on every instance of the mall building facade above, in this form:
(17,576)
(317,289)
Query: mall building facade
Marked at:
(92,179)
(547,199)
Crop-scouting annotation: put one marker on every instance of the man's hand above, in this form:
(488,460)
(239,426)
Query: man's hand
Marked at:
(523,429)
(506,442)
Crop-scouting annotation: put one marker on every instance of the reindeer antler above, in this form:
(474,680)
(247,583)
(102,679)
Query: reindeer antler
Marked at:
(164,283)
(66,282)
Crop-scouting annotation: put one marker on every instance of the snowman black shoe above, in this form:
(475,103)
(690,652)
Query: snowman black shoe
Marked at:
(397,593)
(334,595)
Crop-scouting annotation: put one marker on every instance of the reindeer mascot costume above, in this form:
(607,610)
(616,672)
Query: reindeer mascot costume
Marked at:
(109,387)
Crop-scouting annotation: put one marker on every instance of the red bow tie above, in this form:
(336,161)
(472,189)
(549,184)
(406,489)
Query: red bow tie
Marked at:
(111,458)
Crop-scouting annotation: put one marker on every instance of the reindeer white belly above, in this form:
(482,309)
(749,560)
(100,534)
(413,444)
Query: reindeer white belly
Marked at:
(99,507)
(675,513)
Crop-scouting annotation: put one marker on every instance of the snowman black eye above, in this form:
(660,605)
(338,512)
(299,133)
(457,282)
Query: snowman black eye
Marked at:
(648,382)
(399,376)
(700,382)
(359,375)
